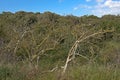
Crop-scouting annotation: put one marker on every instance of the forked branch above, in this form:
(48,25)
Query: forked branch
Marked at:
(71,54)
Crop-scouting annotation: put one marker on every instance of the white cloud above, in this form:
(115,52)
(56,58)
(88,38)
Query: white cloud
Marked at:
(99,1)
(82,7)
(102,7)
(88,0)
(107,7)
(112,4)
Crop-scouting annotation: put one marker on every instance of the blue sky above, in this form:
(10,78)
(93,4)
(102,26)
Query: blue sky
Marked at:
(63,7)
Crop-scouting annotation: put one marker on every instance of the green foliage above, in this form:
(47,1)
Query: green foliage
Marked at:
(44,39)
(76,72)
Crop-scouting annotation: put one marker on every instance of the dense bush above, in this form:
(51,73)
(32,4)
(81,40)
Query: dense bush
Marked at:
(45,39)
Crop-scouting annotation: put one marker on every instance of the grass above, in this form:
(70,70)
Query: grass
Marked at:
(95,73)
(85,72)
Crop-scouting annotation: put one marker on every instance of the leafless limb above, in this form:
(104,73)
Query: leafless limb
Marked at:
(18,41)
(71,54)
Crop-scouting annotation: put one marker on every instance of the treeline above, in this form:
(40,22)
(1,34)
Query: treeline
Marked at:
(49,36)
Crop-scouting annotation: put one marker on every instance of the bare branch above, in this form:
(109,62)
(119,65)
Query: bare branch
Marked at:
(71,54)
(18,41)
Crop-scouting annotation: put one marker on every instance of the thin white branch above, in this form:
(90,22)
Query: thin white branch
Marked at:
(71,53)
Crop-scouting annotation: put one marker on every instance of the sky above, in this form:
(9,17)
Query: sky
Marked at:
(63,7)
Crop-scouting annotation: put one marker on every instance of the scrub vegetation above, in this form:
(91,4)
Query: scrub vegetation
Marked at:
(48,46)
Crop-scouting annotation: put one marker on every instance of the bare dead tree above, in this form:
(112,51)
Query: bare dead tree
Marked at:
(72,51)
(38,48)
